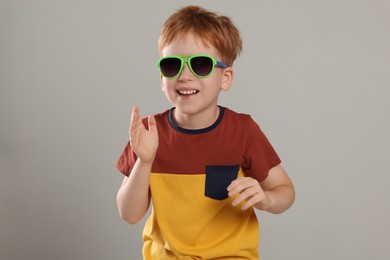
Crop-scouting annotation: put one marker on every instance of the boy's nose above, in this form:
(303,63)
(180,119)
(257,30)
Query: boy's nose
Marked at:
(186,73)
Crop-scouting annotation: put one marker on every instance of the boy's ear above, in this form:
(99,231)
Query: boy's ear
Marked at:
(227,78)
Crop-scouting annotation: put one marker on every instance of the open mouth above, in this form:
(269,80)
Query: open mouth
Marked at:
(187,92)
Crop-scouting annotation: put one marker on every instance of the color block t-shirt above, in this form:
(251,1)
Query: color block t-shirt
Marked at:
(192,216)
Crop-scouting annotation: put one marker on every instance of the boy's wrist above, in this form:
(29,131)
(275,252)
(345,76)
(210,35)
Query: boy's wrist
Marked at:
(144,164)
(270,200)
(266,204)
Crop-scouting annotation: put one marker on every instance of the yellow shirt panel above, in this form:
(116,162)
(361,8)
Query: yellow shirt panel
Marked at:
(185,224)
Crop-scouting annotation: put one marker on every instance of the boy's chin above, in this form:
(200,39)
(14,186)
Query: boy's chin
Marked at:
(191,109)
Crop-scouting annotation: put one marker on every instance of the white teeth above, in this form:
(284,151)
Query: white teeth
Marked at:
(187,92)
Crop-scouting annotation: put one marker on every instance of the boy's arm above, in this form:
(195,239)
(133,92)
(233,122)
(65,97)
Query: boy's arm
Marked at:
(133,198)
(279,189)
(275,194)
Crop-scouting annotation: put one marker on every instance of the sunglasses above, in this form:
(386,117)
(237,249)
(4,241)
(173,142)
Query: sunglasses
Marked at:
(201,65)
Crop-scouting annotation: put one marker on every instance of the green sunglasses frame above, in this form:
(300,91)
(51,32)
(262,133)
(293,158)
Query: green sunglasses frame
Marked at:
(187,59)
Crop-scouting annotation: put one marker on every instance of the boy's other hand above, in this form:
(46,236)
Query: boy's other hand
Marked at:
(143,141)
(250,192)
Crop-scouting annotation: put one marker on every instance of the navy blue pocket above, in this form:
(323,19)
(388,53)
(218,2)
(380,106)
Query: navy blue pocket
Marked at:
(218,178)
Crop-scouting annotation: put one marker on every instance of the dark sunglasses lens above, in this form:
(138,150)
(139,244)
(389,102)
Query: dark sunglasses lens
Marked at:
(170,67)
(202,65)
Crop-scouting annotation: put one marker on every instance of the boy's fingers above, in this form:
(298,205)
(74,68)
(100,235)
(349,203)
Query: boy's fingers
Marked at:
(244,195)
(233,184)
(237,185)
(242,184)
(152,124)
(135,114)
(134,122)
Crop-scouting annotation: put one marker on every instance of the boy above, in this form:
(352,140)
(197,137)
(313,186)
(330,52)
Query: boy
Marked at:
(204,166)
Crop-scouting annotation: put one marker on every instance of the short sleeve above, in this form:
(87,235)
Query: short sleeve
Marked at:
(126,160)
(260,157)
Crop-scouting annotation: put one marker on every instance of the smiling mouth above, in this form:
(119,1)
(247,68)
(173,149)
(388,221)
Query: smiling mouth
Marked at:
(187,92)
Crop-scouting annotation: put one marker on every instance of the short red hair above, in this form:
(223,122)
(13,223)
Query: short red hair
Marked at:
(211,28)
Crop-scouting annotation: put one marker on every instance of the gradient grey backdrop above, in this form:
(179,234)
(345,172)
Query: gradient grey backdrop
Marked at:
(314,74)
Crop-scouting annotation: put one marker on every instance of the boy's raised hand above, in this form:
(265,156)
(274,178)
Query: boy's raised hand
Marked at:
(143,141)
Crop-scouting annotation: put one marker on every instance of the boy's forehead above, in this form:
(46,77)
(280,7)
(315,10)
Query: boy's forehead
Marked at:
(187,44)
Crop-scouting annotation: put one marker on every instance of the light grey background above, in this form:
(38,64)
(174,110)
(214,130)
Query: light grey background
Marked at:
(314,74)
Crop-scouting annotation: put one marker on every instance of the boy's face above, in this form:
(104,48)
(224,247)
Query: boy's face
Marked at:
(189,94)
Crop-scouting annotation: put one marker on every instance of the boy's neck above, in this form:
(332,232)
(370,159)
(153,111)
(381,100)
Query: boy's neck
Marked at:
(196,121)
